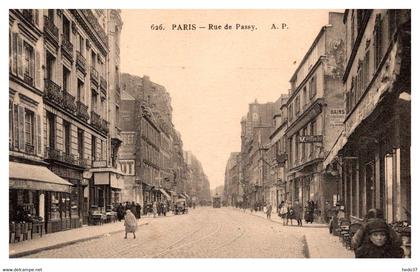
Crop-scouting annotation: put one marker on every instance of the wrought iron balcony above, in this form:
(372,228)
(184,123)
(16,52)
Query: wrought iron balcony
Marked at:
(53,92)
(94,76)
(103,84)
(51,30)
(83,162)
(82,111)
(95,120)
(29,148)
(80,62)
(69,158)
(67,48)
(105,126)
(52,154)
(28,78)
(28,14)
(69,102)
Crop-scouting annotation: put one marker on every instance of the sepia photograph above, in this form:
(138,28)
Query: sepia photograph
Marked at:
(208,134)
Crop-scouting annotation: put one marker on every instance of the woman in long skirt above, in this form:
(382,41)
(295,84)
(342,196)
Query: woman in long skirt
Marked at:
(130,223)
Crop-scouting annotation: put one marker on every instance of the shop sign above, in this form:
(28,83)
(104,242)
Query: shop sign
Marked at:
(98,164)
(310,139)
(337,116)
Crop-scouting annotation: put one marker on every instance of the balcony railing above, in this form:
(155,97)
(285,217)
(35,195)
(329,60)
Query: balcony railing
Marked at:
(81,62)
(28,14)
(28,78)
(103,84)
(68,158)
(95,120)
(29,148)
(83,162)
(69,102)
(51,30)
(94,76)
(67,48)
(105,126)
(82,111)
(52,154)
(53,92)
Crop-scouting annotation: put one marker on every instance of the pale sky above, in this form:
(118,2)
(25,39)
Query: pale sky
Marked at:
(212,75)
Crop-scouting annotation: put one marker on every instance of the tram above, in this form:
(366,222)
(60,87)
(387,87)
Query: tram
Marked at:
(217,202)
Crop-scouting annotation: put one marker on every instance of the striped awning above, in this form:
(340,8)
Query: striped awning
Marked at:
(35,177)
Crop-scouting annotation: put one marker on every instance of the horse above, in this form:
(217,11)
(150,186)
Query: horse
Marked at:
(291,214)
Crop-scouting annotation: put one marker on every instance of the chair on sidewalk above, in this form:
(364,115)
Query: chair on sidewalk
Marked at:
(353,228)
(343,230)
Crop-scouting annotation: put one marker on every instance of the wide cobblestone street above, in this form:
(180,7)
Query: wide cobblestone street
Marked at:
(203,233)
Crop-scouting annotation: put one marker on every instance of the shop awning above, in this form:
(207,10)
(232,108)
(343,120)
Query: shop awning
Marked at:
(338,145)
(165,194)
(35,177)
(186,195)
(147,187)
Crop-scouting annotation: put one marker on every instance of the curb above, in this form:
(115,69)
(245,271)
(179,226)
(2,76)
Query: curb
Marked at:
(305,250)
(63,244)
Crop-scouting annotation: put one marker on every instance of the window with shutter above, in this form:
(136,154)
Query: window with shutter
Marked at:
(19,56)
(28,64)
(38,128)
(15,126)
(21,127)
(35,134)
(37,70)
(14,53)
(11,124)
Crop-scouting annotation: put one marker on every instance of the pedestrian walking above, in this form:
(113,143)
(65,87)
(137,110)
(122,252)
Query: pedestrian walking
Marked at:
(378,244)
(130,223)
(269,210)
(154,209)
(283,212)
(297,208)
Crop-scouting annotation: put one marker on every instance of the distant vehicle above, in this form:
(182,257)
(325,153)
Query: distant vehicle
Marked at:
(180,206)
(217,202)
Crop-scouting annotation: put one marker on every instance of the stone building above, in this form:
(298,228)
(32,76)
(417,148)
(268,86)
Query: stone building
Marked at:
(255,131)
(232,192)
(277,154)
(59,118)
(315,112)
(371,157)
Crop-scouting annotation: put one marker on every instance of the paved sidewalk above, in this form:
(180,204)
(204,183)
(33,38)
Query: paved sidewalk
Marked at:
(63,238)
(321,244)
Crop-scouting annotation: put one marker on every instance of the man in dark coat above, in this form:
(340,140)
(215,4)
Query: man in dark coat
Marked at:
(138,210)
(120,212)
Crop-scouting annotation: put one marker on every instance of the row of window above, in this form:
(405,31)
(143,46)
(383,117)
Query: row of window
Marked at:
(148,131)
(127,167)
(150,175)
(384,28)
(150,154)
(308,93)
(97,146)
(302,152)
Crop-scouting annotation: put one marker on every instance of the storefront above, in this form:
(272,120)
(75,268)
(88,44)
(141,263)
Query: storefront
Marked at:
(37,194)
(105,192)
(76,202)
(147,193)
